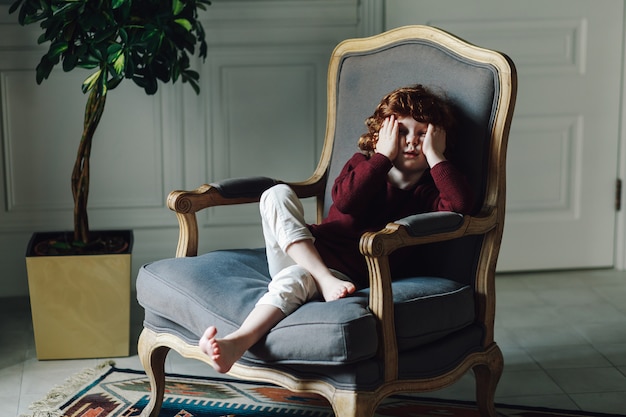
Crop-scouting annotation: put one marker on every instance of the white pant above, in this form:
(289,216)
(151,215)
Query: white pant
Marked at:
(283,223)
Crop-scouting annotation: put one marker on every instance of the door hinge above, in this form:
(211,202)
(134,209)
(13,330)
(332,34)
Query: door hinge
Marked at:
(618,194)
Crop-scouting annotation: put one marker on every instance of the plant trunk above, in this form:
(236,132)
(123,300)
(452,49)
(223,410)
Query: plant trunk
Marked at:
(80,173)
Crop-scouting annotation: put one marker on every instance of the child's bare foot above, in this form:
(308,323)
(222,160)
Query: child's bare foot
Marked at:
(333,288)
(223,352)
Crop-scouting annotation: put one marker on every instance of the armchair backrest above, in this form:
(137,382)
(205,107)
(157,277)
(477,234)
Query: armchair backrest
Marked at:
(479,83)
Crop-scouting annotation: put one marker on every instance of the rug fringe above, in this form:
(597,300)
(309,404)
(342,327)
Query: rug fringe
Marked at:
(47,407)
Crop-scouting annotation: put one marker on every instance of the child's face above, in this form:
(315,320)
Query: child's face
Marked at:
(410,157)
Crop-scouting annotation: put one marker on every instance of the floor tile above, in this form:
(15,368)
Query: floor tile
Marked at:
(520,298)
(518,359)
(40,376)
(11,381)
(615,294)
(526,383)
(505,337)
(507,283)
(9,405)
(563,335)
(557,401)
(602,402)
(571,296)
(131,362)
(615,353)
(603,334)
(601,313)
(25,401)
(561,280)
(588,380)
(559,357)
(523,316)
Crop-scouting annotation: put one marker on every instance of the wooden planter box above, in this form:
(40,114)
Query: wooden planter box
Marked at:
(80,303)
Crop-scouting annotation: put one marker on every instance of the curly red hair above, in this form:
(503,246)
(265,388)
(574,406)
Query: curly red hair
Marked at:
(416,101)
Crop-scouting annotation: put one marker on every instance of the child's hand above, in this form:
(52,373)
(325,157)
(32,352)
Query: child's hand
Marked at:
(434,145)
(387,143)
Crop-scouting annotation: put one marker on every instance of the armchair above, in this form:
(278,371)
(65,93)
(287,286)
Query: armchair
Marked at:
(415,334)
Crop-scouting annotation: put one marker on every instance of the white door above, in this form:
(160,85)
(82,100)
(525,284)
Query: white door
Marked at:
(563,146)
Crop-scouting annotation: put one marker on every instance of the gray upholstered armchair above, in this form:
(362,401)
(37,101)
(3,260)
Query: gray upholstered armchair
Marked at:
(418,333)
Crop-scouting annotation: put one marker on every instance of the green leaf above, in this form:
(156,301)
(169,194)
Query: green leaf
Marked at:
(116,4)
(152,37)
(192,78)
(177,7)
(87,61)
(201,4)
(118,64)
(69,62)
(102,84)
(203,50)
(56,49)
(184,23)
(123,36)
(96,54)
(139,80)
(60,245)
(113,51)
(114,82)
(108,34)
(14,6)
(91,81)
(44,68)
(151,87)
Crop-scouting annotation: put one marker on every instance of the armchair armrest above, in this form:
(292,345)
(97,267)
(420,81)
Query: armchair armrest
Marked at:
(227,192)
(424,228)
(426,224)
(412,230)
(250,187)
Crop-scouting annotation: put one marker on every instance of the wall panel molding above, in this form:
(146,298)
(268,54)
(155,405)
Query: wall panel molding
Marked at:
(267,116)
(130,173)
(547,46)
(549,187)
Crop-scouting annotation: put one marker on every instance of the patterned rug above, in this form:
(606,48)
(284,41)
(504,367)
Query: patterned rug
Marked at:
(111,392)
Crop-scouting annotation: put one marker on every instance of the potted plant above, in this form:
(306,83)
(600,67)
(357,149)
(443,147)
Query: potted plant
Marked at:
(145,41)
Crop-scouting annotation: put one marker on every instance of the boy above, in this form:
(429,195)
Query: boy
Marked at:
(401,170)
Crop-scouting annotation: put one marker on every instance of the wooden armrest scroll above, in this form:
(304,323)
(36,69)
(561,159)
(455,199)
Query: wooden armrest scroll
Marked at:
(225,192)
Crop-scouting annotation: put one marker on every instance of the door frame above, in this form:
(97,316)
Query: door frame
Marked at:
(619,258)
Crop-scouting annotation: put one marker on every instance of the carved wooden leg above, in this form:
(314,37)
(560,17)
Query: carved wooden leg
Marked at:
(351,404)
(152,358)
(487,377)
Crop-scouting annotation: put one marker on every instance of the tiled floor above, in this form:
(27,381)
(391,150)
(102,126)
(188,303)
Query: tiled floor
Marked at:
(563,335)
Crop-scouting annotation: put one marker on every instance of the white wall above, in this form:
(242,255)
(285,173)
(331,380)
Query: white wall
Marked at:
(261,111)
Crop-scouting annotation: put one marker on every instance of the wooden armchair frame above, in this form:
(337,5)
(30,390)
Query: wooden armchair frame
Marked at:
(376,247)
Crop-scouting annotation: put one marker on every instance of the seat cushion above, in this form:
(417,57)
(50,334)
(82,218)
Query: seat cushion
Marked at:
(220,288)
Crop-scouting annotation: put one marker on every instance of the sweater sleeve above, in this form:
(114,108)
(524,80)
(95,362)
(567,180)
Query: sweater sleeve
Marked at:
(360,181)
(454,192)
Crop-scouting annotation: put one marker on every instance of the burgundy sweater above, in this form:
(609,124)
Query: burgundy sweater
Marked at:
(363,200)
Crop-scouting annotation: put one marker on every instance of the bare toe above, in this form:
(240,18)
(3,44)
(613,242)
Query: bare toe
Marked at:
(207,341)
